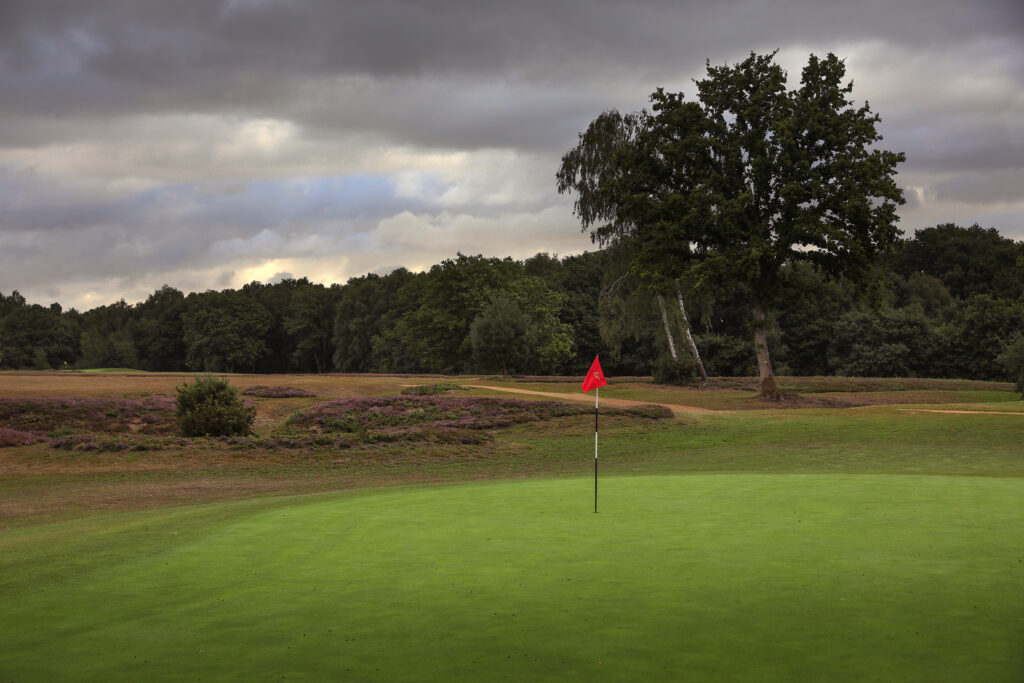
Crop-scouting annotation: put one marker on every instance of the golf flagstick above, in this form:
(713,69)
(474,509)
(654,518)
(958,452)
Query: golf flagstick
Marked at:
(595,380)
(597,398)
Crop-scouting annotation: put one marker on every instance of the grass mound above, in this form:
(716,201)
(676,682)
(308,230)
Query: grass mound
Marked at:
(703,577)
(278,392)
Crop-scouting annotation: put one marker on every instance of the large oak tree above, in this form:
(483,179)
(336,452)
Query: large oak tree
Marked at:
(747,178)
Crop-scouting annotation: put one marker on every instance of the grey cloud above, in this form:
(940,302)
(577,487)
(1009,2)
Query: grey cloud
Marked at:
(80,59)
(133,93)
(991,188)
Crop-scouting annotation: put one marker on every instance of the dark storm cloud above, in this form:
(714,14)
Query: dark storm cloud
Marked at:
(73,59)
(144,137)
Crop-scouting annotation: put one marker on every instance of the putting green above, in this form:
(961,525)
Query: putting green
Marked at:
(701,577)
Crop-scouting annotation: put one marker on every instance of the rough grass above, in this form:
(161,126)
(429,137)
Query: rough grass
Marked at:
(431,389)
(129,469)
(278,392)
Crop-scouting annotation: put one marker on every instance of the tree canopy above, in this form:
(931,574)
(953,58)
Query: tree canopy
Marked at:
(748,179)
(910,324)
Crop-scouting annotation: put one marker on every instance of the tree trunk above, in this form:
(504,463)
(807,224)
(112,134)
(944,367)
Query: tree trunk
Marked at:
(689,337)
(668,330)
(767,390)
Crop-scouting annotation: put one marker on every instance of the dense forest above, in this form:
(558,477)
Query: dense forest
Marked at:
(948,302)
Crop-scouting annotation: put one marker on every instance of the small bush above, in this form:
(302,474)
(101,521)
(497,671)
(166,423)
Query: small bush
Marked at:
(211,407)
(668,371)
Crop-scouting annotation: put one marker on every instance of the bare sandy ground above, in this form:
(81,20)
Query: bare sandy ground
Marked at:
(962,412)
(614,402)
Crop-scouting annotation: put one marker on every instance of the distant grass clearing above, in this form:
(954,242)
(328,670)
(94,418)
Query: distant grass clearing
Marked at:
(725,577)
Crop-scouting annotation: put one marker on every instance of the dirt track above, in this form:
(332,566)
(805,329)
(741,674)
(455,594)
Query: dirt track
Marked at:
(963,412)
(614,402)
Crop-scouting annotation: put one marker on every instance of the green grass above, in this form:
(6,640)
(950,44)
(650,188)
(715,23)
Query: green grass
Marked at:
(702,577)
(874,543)
(866,440)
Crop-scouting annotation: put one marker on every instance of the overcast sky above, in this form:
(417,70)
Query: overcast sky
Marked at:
(207,144)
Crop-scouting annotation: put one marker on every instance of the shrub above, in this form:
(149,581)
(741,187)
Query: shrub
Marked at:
(1012,360)
(15,437)
(668,371)
(211,407)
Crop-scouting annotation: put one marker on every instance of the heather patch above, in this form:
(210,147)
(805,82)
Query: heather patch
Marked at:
(63,416)
(391,413)
(443,419)
(15,437)
(278,392)
(431,389)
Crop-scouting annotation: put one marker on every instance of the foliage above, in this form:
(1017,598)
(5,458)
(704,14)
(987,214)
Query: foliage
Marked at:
(211,407)
(975,335)
(366,307)
(679,372)
(108,337)
(891,343)
(159,330)
(747,180)
(968,261)
(1012,359)
(576,307)
(309,324)
(500,337)
(223,333)
(33,336)
(727,355)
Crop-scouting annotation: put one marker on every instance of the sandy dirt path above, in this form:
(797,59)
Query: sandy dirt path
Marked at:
(614,402)
(962,412)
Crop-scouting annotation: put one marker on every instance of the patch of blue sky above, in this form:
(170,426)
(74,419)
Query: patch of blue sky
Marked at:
(275,202)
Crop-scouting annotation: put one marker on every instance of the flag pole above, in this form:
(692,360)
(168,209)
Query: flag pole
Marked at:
(597,398)
(595,380)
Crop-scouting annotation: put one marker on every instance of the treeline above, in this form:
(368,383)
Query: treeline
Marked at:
(949,302)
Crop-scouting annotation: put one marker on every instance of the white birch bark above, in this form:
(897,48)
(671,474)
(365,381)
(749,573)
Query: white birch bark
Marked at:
(689,337)
(668,330)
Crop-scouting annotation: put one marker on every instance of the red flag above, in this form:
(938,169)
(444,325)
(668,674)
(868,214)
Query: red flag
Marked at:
(595,377)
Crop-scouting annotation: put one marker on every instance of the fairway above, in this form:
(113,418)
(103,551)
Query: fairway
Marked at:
(696,577)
